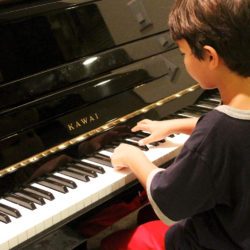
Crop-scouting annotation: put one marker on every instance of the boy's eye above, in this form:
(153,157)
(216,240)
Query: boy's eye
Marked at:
(182,54)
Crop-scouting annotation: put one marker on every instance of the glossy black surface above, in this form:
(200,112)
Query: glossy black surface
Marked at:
(35,43)
(80,96)
(65,76)
(5,3)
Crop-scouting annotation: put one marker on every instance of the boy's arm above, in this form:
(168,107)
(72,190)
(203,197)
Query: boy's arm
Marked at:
(127,156)
(161,129)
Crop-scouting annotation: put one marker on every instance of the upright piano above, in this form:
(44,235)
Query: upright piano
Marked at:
(75,76)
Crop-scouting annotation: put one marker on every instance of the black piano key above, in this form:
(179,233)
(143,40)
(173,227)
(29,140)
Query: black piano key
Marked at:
(197,109)
(4,218)
(75,175)
(213,99)
(90,166)
(206,104)
(216,94)
(31,196)
(194,113)
(135,138)
(138,138)
(81,170)
(9,210)
(171,116)
(66,182)
(110,149)
(171,136)
(116,143)
(43,193)
(186,114)
(53,185)
(102,156)
(21,201)
(144,134)
(163,140)
(101,160)
(144,148)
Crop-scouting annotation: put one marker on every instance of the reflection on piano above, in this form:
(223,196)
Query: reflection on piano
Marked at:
(75,76)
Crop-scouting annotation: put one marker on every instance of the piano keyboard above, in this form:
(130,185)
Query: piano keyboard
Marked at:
(74,193)
(32,222)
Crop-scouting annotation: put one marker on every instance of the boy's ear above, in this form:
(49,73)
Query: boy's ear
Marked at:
(211,56)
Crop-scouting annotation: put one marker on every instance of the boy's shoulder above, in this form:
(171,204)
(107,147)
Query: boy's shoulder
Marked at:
(234,113)
(219,127)
(221,118)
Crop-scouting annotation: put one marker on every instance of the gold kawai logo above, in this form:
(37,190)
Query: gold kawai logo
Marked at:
(83,121)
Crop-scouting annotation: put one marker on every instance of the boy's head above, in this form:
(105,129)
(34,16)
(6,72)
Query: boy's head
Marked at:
(221,24)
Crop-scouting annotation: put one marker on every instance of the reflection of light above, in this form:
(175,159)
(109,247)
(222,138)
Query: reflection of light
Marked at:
(89,60)
(32,159)
(103,82)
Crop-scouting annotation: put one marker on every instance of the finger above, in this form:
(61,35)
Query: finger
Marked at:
(146,140)
(116,163)
(140,123)
(144,121)
(140,127)
(119,167)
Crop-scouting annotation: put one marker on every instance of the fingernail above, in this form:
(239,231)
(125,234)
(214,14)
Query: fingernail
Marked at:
(140,142)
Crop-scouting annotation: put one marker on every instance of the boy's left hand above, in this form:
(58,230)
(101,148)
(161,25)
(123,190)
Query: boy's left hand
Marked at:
(125,155)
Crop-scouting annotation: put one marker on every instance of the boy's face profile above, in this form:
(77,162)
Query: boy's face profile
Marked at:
(197,69)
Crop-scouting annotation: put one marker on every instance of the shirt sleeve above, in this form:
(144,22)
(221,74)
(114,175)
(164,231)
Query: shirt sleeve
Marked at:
(183,189)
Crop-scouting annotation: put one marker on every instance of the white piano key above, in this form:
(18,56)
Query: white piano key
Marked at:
(3,244)
(80,186)
(18,233)
(105,152)
(54,210)
(33,220)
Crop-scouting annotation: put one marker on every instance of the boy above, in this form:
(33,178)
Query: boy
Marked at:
(207,188)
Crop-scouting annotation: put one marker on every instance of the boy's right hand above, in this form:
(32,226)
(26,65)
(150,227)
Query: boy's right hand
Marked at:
(161,129)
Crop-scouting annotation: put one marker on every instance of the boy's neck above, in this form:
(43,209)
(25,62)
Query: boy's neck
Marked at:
(235,91)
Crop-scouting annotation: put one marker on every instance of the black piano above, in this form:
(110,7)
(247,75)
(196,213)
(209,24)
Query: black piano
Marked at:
(75,76)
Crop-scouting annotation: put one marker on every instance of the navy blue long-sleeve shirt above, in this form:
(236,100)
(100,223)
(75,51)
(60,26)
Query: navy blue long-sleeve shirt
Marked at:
(207,188)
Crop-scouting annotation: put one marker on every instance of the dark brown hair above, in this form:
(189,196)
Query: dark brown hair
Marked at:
(222,24)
